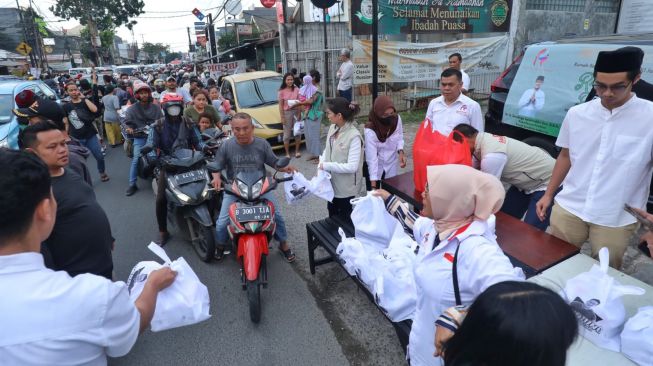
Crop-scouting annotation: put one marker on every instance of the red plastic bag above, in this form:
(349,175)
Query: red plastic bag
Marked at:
(433,148)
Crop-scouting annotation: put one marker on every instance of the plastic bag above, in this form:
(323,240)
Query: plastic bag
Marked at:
(185,302)
(433,148)
(297,188)
(298,128)
(349,251)
(320,185)
(594,296)
(395,291)
(373,225)
(637,337)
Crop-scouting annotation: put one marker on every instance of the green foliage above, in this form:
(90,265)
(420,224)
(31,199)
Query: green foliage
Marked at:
(173,55)
(155,49)
(41,26)
(103,12)
(226,41)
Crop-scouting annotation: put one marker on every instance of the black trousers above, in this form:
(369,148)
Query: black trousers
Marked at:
(161,202)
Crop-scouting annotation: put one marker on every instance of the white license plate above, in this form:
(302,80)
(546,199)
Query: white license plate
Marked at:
(253,213)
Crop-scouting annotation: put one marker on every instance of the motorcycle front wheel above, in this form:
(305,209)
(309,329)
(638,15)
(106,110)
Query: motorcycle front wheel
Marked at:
(204,242)
(254,300)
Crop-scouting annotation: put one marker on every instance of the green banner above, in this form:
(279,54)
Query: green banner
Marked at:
(432,16)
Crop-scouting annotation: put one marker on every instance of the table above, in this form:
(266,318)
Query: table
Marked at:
(584,352)
(531,249)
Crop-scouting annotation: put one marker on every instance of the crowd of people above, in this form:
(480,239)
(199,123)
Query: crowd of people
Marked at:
(55,235)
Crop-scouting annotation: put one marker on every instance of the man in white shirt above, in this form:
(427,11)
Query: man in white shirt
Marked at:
(527,169)
(48,317)
(455,62)
(171,87)
(345,75)
(606,159)
(452,107)
(532,100)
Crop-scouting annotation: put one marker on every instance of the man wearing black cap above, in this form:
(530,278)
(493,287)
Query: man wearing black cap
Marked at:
(606,159)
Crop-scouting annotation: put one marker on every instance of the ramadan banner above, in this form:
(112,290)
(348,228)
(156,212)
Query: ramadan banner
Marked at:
(407,62)
(432,16)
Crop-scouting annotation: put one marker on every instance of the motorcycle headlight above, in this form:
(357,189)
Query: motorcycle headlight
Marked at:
(181,195)
(256,189)
(243,188)
(256,123)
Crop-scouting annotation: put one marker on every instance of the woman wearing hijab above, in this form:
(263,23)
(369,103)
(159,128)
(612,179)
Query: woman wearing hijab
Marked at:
(384,141)
(314,99)
(456,224)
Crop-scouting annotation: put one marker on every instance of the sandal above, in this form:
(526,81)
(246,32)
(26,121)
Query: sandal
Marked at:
(298,155)
(104,177)
(288,254)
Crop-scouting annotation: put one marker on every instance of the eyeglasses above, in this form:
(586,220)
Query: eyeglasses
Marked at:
(616,89)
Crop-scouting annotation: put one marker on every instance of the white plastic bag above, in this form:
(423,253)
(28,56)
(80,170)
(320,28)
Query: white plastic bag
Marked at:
(298,128)
(395,291)
(349,251)
(637,337)
(373,225)
(185,302)
(595,298)
(320,185)
(297,188)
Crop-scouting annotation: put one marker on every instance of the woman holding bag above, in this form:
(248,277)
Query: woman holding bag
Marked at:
(384,141)
(313,116)
(343,155)
(456,226)
(288,91)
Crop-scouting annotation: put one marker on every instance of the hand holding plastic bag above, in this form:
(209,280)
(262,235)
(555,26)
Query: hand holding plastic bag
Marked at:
(297,188)
(320,185)
(184,302)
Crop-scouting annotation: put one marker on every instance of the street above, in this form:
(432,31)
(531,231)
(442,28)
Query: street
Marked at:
(306,320)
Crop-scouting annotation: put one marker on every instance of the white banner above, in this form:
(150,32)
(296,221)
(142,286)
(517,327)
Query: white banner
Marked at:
(233,67)
(407,62)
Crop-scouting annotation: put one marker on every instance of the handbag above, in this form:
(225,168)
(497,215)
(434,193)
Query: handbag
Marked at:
(595,298)
(432,148)
(184,302)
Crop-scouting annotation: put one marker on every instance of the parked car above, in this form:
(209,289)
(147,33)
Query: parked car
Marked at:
(9,88)
(566,67)
(255,93)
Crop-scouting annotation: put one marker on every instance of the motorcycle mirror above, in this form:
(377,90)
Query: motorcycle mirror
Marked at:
(146,149)
(282,162)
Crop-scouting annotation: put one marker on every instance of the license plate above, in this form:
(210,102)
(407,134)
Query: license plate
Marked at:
(189,177)
(253,213)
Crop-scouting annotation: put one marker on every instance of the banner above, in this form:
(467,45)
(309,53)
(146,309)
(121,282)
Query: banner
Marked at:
(406,62)
(226,68)
(432,16)
(553,78)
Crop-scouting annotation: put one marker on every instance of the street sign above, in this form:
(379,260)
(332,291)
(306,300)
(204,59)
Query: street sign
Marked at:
(48,41)
(235,21)
(198,14)
(23,48)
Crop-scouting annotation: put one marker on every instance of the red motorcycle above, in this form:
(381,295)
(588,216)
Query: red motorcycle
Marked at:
(251,227)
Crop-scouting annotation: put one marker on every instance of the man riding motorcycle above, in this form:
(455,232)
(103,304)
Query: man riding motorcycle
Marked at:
(241,153)
(137,118)
(168,134)
(159,87)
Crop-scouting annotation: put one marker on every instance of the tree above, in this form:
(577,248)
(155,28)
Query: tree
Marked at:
(100,12)
(227,41)
(172,56)
(154,49)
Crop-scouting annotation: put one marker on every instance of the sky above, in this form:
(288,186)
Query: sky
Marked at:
(164,21)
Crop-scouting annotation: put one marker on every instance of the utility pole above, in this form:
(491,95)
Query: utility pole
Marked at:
(326,53)
(190,45)
(22,24)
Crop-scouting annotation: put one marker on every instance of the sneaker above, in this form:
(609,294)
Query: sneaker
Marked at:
(131,190)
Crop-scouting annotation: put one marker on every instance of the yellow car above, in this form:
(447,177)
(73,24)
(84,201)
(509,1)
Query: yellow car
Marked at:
(255,93)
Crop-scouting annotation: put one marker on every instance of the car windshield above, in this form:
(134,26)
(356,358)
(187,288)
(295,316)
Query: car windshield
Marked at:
(258,92)
(6,104)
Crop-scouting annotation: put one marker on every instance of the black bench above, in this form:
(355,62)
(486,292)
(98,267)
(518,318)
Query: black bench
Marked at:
(324,233)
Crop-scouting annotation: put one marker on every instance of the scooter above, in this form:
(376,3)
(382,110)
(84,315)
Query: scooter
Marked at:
(251,227)
(189,194)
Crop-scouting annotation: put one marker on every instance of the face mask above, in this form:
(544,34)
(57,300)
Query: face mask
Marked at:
(174,110)
(387,121)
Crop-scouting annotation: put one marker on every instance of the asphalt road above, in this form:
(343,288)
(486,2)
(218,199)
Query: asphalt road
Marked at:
(307,320)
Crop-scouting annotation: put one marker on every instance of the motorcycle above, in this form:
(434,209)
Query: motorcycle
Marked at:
(251,227)
(191,198)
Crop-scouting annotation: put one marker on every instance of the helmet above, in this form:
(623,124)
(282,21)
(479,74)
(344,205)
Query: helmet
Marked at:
(139,85)
(172,104)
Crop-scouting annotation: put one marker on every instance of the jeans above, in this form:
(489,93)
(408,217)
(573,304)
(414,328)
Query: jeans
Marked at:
(93,144)
(347,94)
(139,142)
(223,219)
(517,203)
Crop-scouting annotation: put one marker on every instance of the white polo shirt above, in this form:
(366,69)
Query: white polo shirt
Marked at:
(446,117)
(466,81)
(611,156)
(50,318)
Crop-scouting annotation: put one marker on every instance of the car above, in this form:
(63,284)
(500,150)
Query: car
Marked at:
(256,93)
(567,67)
(128,69)
(9,88)
(79,70)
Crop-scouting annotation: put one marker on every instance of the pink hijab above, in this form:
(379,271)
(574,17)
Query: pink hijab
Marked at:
(459,194)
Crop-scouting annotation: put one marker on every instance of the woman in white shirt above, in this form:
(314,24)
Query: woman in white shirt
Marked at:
(342,156)
(384,141)
(457,223)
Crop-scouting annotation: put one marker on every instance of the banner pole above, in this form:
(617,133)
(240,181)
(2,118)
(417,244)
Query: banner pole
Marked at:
(375,49)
